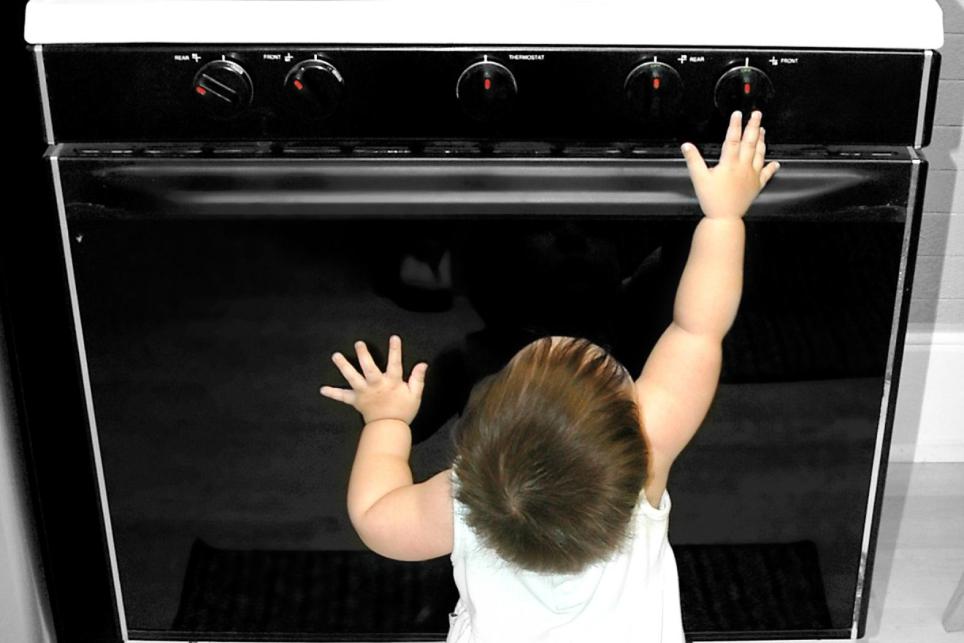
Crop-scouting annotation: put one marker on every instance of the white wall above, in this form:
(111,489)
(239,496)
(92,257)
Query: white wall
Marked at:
(929,419)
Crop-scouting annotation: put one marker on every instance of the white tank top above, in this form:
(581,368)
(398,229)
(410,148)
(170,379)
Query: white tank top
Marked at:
(633,596)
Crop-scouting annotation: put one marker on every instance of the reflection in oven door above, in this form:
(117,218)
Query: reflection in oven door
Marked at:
(208,331)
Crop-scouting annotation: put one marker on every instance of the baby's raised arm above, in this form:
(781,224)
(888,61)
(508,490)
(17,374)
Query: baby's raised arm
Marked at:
(680,377)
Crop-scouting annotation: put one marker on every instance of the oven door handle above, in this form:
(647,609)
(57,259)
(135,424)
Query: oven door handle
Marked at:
(268,188)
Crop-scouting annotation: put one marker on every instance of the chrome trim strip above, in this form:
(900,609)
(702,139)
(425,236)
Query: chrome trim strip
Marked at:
(167,640)
(922,103)
(85,375)
(38,52)
(885,397)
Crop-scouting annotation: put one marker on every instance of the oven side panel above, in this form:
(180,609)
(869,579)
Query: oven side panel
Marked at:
(24,607)
(908,260)
(45,370)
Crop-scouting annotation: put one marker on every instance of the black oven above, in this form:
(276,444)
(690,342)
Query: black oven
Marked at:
(197,266)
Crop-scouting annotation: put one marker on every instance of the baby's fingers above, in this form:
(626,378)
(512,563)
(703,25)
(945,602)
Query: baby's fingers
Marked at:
(730,151)
(372,372)
(394,370)
(416,381)
(751,136)
(768,173)
(351,375)
(340,394)
(694,161)
(761,149)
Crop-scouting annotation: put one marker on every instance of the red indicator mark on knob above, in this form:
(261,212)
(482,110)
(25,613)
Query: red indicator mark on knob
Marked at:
(746,88)
(656,83)
(298,85)
(488,83)
(200,90)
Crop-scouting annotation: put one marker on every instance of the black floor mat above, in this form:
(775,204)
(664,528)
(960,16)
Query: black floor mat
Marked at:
(722,588)
(751,587)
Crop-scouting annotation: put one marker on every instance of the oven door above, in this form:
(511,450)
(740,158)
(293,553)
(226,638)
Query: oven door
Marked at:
(207,295)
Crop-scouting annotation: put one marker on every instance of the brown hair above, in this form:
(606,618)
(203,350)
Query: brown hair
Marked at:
(551,458)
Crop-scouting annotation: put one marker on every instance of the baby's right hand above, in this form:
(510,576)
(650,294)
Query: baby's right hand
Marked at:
(726,191)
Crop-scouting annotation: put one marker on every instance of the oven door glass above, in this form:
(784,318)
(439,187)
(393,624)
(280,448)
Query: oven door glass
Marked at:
(212,293)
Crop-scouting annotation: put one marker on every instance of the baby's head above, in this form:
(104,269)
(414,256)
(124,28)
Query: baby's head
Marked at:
(551,458)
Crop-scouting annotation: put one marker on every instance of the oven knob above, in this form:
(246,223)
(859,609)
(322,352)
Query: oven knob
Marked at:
(224,87)
(745,89)
(487,91)
(654,91)
(316,84)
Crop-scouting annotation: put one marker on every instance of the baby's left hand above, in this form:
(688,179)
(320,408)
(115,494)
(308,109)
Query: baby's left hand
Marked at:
(380,395)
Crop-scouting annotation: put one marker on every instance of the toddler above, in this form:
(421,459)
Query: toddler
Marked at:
(555,511)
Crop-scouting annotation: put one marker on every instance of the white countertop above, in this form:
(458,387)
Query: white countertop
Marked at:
(850,24)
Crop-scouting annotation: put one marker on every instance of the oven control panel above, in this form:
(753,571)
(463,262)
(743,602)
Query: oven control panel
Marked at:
(659,96)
